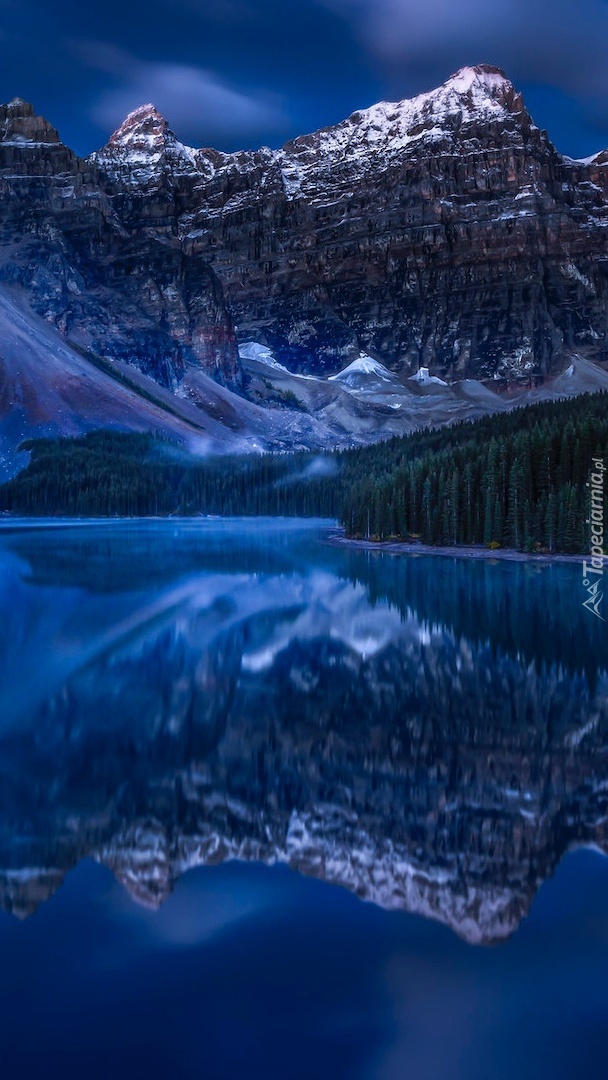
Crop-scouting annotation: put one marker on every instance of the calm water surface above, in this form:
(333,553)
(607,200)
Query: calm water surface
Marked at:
(273,808)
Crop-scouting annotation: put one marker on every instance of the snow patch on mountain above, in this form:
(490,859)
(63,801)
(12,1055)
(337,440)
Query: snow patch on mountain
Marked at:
(600,158)
(252,350)
(363,372)
(423,376)
(261,354)
(478,92)
(473,95)
(142,143)
(481,94)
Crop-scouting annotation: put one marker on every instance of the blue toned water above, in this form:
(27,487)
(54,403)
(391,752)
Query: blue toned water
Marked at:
(272,807)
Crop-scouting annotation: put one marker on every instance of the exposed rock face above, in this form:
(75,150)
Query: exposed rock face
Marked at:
(445,231)
(134,297)
(282,717)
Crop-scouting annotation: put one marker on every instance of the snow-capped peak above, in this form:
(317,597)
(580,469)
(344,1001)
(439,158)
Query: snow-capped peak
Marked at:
(481,78)
(142,140)
(479,93)
(364,374)
(385,131)
(470,98)
(474,105)
(144,124)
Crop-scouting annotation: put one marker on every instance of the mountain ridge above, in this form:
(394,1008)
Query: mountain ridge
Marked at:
(476,87)
(432,231)
(443,232)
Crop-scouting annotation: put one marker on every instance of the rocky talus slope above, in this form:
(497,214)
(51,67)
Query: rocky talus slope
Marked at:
(128,295)
(439,252)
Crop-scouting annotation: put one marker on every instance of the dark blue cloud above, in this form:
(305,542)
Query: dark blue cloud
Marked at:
(235,73)
(555,52)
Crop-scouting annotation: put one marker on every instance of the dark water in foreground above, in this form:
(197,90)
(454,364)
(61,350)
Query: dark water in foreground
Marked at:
(218,738)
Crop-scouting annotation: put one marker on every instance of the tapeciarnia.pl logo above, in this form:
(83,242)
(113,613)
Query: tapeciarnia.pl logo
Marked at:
(593,572)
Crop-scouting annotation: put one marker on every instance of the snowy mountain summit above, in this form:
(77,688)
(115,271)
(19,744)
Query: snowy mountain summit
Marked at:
(144,128)
(388,130)
(409,231)
(144,146)
(442,234)
(384,132)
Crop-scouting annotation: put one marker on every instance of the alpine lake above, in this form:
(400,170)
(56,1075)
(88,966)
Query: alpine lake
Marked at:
(276,807)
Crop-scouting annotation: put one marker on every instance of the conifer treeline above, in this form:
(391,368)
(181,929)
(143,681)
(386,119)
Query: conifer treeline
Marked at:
(522,486)
(110,474)
(517,479)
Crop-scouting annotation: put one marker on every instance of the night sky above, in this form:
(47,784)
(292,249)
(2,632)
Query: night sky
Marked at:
(239,74)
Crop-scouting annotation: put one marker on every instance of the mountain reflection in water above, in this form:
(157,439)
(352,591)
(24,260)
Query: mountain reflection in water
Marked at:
(429,733)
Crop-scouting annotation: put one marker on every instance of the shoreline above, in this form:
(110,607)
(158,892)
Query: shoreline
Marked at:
(457,551)
(9,523)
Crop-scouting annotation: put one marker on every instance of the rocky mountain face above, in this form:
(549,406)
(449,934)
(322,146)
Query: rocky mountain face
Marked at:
(265,709)
(124,294)
(442,235)
(445,231)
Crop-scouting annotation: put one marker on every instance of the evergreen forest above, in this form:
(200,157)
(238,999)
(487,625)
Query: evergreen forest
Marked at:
(516,479)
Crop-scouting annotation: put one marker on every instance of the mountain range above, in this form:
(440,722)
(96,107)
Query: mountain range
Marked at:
(420,262)
(238,694)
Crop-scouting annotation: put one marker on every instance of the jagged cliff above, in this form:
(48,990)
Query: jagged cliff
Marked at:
(127,294)
(445,231)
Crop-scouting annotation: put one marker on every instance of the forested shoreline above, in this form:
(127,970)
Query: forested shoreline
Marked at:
(516,479)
